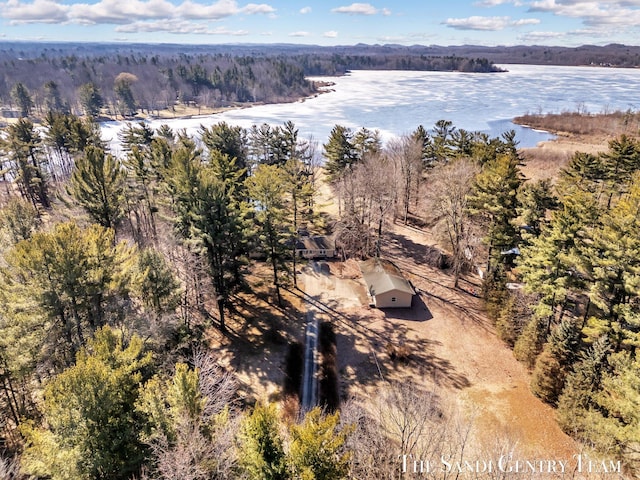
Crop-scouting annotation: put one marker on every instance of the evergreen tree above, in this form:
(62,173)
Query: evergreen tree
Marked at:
(440,148)
(90,99)
(227,139)
(535,200)
(610,256)
(585,172)
(23,147)
(20,94)
(555,361)
(141,189)
(365,142)
(65,279)
(156,284)
(209,215)
(515,313)
(495,201)
(262,455)
(616,413)
(339,152)
(317,450)
(97,184)
(92,428)
(267,188)
(581,387)
(620,162)
(19,220)
(52,99)
(530,342)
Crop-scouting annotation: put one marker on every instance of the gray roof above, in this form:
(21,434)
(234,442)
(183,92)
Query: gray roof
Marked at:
(383,276)
(319,242)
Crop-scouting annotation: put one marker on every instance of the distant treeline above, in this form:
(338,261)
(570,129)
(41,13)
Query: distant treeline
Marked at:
(127,79)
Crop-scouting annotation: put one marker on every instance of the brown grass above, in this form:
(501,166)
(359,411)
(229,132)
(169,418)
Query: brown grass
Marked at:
(584,124)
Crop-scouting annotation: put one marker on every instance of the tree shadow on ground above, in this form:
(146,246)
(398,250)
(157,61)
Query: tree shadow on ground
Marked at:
(257,340)
(433,283)
(370,350)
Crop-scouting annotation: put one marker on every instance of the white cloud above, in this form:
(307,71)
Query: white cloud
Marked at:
(357,9)
(330,34)
(525,21)
(488,23)
(305,10)
(601,15)
(123,12)
(43,11)
(541,37)
(254,9)
(386,12)
(299,34)
(496,3)
(183,27)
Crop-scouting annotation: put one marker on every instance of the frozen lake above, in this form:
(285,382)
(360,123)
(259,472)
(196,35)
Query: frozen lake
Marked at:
(396,102)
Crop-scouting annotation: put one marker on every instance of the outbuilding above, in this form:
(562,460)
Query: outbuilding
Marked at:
(386,286)
(319,246)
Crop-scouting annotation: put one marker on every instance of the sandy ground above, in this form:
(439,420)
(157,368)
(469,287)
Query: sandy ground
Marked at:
(450,344)
(449,341)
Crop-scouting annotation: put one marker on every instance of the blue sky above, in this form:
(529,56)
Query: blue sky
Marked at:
(328,22)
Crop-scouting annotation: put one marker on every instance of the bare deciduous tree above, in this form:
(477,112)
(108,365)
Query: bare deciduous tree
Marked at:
(405,154)
(448,195)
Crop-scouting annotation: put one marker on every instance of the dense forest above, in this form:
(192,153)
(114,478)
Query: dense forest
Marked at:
(113,269)
(123,82)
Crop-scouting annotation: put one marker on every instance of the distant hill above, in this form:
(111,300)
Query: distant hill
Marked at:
(609,55)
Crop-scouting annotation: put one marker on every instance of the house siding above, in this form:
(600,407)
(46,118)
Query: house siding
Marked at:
(385,300)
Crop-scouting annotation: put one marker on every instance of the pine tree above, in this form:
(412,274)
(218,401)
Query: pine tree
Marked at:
(20,94)
(52,99)
(227,139)
(581,386)
(495,201)
(90,99)
(27,162)
(19,220)
(267,188)
(611,260)
(262,454)
(210,217)
(66,278)
(530,342)
(616,416)
(97,184)
(92,428)
(317,450)
(156,284)
(339,152)
(620,163)
(535,200)
(555,361)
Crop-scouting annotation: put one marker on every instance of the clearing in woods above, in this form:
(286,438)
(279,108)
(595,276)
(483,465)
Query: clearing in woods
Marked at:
(449,343)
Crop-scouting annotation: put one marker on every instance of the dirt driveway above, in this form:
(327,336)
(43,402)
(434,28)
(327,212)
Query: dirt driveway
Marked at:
(449,342)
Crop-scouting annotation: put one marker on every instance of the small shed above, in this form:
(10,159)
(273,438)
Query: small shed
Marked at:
(386,286)
(319,246)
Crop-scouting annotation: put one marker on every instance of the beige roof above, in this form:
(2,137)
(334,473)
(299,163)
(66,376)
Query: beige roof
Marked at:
(383,276)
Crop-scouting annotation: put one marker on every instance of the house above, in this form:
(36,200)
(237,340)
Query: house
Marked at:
(386,286)
(319,246)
